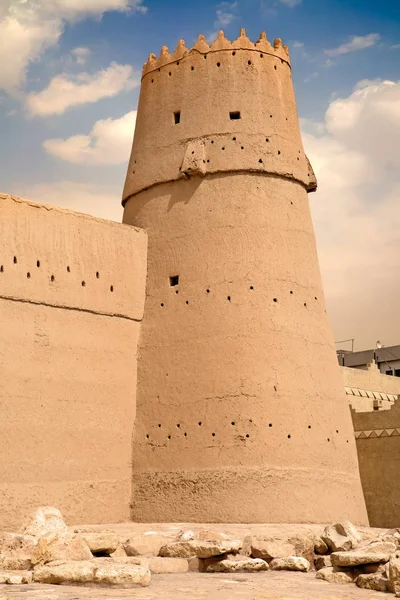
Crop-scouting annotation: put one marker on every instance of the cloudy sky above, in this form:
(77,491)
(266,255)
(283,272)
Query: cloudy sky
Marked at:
(69,82)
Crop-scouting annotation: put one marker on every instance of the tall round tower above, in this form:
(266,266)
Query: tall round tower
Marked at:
(241,413)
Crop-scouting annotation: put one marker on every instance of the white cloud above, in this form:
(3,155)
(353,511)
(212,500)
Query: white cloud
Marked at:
(395,46)
(298,44)
(65,91)
(109,143)
(357,42)
(29,27)
(97,200)
(290,3)
(356,214)
(81,55)
(225,14)
(311,77)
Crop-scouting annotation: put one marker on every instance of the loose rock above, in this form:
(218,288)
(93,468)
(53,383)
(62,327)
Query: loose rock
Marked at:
(394,573)
(160,565)
(290,563)
(341,536)
(45,520)
(121,575)
(374,581)
(333,575)
(270,549)
(101,542)
(64,546)
(16,578)
(233,566)
(201,549)
(378,552)
(320,547)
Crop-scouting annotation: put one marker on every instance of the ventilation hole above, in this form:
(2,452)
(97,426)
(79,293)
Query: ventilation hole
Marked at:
(270,425)
(205,57)
(178,425)
(38,263)
(247,435)
(52,278)
(275,67)
(234,139)
(192,69)
(249,62)
(218,64)
(68,269)
(250,420)
(291,292)
(147,436)
(252,287)
(111,288)
(176,291)
(267,140)
(170,73)
(242,147)
(315,298)
(199,423)
(192,151)
(233,53)
(174,280)
(83,283)
(305,303)
(275,299)
(28,275)
(207,291)
(208,160)
(291,203)
(162,304)
(177,117)
(260,161)
(213,434)
(159,425)
(169,437)
(228,298)
(178,63)
(328,440)
(298,158)
(187,302)
(235,115)
(279,152)
(275,388)
(223,147)
(152,81)
(337,430)
(309,427)
(212,141)
(347,441)
(233,423)
(15,260)
(261,55)
(1,268)
(270,116)
(185,434)
(289,436)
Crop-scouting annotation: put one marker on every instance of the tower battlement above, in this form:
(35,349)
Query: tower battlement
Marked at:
(228,107)
(262,46)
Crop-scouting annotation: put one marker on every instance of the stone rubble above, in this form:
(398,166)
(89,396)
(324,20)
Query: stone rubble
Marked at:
(48,552)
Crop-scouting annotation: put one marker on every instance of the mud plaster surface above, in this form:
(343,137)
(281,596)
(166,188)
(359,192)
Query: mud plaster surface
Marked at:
(203,586)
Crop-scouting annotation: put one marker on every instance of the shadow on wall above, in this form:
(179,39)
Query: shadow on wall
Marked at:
(378,446)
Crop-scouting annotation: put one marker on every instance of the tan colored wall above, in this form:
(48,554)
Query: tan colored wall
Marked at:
(242,415)
(378,446)
(366,387)
(67,361)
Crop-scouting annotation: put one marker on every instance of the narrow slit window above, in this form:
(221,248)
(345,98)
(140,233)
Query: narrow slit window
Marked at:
(177,117)
(235,115)
(174,280)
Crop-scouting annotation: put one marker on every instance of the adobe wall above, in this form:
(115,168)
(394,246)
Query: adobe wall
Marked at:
(378,444)
(71,302)
(241,411)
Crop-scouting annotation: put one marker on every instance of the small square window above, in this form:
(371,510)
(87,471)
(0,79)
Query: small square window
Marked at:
(234,115)
(177,117)
(174,280)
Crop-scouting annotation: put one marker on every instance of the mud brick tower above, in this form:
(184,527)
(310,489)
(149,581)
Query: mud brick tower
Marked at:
(241,412)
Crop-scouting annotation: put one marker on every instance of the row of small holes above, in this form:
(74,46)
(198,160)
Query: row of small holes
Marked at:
(289,436)
(249,62)
(52,277)
(229,298)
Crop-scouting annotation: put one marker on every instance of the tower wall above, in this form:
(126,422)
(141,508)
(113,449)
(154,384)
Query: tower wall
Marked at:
(241,412)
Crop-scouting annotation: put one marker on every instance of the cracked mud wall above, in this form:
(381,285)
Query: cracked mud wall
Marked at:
(71,302)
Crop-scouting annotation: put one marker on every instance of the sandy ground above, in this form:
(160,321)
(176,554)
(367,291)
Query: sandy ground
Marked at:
(206,586)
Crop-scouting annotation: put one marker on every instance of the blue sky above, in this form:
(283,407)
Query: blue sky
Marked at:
(70,89)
